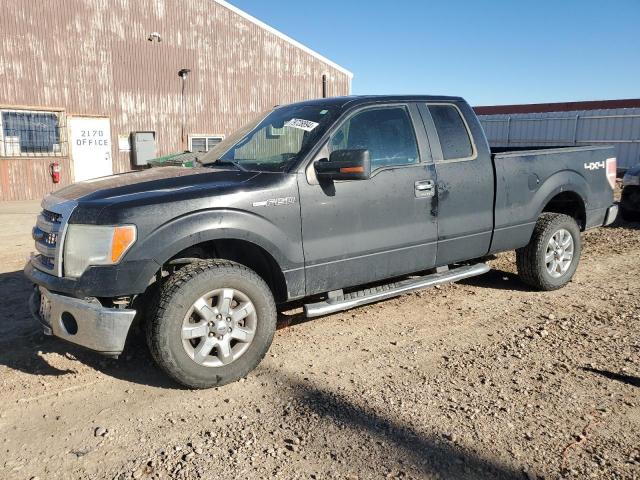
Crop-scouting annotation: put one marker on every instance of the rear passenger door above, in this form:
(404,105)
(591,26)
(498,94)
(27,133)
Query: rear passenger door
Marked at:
(465,182)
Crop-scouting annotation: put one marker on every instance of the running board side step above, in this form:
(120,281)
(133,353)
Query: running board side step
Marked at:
(383,292)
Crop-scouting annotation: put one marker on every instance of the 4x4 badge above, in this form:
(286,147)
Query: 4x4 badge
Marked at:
(594,165)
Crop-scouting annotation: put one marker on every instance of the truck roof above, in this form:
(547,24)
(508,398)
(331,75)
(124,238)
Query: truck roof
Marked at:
(353,100)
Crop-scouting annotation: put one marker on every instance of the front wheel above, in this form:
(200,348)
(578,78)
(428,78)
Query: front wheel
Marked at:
(213,323)
(551,258)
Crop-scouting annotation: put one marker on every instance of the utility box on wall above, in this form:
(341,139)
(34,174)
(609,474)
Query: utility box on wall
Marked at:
(143,148)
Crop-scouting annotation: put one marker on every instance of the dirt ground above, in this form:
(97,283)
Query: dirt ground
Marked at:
(482,379)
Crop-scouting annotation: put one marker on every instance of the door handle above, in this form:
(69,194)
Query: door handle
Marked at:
(424,188)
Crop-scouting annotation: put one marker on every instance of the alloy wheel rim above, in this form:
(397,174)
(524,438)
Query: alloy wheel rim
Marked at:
(219,327)
(559,253)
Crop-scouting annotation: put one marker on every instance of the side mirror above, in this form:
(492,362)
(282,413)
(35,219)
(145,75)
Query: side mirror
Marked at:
(344,165)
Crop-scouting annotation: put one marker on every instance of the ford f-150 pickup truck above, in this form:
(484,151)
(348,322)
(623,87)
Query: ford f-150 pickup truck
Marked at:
(340,202)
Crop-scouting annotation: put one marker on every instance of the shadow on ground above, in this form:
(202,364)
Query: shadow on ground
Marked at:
(621,223)
(497,280)
(24,347)
(619,377)
(431,455)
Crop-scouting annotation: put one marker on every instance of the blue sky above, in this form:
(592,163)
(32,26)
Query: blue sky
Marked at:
(490,52)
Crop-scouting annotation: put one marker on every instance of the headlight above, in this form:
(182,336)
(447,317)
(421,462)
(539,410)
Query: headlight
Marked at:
(630,180)
(86,245)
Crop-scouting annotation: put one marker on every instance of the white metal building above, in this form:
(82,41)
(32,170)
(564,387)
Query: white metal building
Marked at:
(615,122)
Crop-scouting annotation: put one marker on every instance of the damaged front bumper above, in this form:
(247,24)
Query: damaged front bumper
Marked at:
(83,322)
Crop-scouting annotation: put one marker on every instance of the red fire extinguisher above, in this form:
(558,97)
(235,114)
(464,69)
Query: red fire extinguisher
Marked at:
(54,168)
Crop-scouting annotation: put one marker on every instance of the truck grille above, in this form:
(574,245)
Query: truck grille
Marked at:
(47,234)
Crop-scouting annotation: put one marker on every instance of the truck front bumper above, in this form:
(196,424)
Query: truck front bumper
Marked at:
(85,323)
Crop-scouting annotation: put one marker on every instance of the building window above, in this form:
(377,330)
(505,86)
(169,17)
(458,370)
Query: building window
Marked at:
(203,143)
(31,133)
(275,132)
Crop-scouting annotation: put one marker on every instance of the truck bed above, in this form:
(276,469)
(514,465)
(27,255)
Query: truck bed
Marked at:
(527,178)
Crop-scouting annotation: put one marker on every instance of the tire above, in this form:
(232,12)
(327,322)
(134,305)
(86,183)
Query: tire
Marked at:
(530,260)
(175,315)
(630,204)
(629,215)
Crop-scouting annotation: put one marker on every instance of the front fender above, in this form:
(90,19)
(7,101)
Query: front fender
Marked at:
(171,238)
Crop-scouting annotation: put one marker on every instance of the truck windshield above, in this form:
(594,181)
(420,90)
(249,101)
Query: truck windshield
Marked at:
(275,140)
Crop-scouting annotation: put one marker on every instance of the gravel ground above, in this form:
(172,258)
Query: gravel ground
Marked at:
(481,379)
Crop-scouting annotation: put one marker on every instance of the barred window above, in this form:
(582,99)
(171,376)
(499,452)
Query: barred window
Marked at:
(28,133)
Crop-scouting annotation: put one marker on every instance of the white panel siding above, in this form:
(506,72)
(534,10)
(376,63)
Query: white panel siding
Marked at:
(619,127)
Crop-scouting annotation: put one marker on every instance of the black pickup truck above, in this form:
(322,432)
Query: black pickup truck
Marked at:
(341,202)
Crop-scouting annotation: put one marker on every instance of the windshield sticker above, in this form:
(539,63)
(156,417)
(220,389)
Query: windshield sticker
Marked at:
(306,125)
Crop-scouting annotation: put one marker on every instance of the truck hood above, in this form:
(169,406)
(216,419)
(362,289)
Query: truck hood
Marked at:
(153,183)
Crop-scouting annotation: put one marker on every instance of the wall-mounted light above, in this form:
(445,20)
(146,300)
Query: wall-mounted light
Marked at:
(183,74)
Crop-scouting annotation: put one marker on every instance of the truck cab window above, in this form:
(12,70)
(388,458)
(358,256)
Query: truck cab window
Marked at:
(386,132)
(274,140)
(452,132)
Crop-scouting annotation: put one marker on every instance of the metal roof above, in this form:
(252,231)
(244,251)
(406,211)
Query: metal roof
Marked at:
(278,33)
(558,107)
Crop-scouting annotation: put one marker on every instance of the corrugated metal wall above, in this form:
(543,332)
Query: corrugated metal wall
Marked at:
(619,127)
(92,57)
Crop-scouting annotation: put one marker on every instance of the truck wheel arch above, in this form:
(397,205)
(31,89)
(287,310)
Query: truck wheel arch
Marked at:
(564,192)
(569,203)
(245,253)
(245,237)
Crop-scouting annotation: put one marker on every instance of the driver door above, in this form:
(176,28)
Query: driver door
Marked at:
(361,231)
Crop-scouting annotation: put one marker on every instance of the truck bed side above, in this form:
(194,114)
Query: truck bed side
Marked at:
(530,182)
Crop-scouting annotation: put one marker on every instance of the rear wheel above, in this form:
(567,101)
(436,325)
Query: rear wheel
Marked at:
(551,258)
(213,323)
